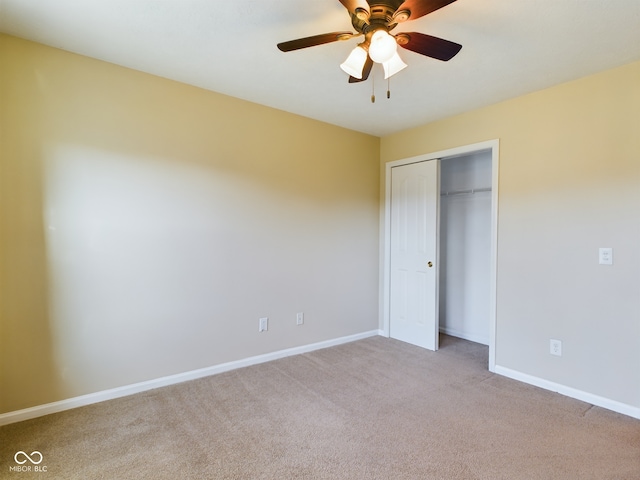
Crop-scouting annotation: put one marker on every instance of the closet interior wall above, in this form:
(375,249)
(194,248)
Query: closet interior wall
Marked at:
(465,243)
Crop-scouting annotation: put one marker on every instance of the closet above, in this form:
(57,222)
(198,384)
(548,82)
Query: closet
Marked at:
(465,246)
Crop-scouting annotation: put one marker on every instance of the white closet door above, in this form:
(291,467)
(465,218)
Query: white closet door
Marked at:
(414,253)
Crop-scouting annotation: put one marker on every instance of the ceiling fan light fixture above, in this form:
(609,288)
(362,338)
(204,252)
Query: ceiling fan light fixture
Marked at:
(393,66)
(374,19)
(354,64)
(383,46)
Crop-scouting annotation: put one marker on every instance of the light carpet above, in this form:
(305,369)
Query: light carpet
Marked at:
(372,409)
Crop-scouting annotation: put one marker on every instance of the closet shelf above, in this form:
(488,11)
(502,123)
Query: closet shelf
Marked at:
(464,192)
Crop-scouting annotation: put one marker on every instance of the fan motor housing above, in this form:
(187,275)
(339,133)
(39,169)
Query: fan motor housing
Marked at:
(382,14)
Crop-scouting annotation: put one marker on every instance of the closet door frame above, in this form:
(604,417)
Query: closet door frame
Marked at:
(493,146)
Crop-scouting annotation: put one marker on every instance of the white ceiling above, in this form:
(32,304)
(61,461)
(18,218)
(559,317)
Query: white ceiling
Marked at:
(510,48)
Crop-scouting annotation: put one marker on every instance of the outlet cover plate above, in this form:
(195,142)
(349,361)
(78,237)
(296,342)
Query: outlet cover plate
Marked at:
(555,347)
(605,256)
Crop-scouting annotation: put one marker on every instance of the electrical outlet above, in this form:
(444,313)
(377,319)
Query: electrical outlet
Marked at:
(605,256)
(264,324)
(555,347)
(299,318)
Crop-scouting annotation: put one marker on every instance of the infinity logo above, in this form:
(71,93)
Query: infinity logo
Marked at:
(27,457)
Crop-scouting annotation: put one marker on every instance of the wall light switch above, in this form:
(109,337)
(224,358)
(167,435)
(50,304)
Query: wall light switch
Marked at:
(605,256)
(264,324)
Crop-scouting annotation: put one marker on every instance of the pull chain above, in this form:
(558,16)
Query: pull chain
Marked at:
(389,87)
(373,88)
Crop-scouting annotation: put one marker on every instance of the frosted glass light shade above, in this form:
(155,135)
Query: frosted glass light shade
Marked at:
(354,64)
(393,66)
(383,46)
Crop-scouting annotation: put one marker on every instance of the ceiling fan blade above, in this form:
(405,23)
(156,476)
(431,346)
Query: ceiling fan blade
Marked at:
(351,5)
(313,41)
(433,47)
(366,70)
(420,8)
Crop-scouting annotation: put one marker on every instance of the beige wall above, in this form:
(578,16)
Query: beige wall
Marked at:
(147,225)
(569,183)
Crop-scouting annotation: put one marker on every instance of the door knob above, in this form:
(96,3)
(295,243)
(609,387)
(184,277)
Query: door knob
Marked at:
(430,264)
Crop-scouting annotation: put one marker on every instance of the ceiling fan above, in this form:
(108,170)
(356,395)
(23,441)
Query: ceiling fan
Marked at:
(375,19)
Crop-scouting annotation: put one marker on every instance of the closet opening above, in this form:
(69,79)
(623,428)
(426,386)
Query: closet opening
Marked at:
(465,246)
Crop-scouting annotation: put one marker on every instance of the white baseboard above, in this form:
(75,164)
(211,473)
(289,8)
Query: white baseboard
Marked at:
(464,335)
(81,401)
(596,400)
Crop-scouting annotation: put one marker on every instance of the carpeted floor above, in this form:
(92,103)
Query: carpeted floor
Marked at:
(372,409)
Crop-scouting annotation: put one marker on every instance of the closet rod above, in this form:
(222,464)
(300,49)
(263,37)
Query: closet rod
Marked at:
(462,192)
